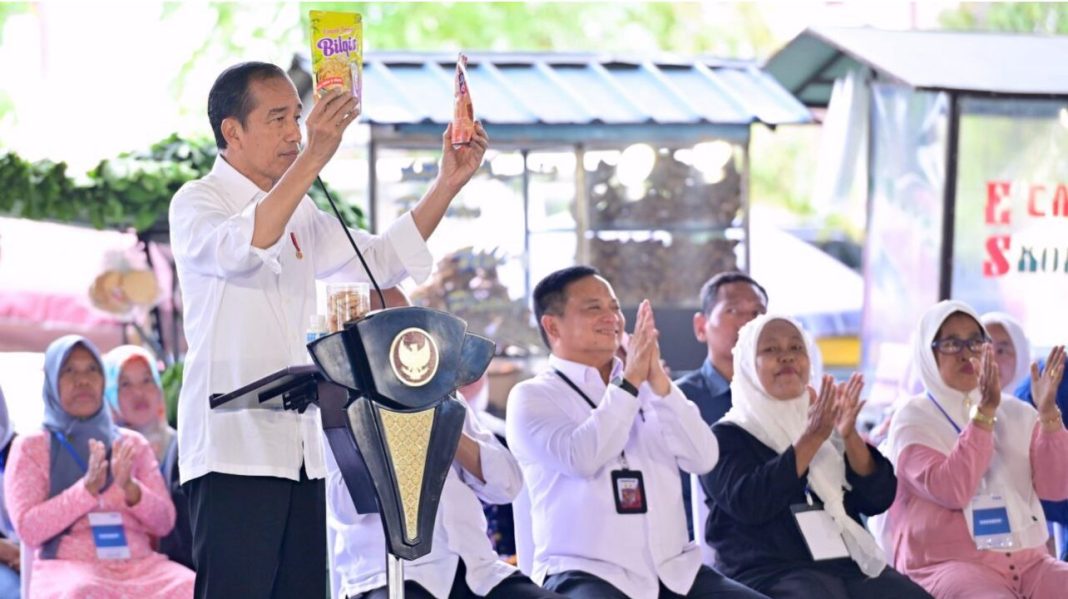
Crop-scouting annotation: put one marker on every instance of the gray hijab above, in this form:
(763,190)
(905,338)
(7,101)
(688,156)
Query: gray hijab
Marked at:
(64,469)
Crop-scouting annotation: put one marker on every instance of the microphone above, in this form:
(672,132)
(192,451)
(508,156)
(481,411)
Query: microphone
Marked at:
(352,242)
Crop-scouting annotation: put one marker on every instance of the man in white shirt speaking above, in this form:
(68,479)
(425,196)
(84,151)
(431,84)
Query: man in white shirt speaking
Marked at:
(600,444)
(249,245)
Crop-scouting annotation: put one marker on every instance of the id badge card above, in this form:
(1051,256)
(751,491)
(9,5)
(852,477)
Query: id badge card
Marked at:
(820,532)
(109,536)
(628,487)
(990,522)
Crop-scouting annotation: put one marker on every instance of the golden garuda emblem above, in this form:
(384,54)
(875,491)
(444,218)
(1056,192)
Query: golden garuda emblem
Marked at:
(414,357)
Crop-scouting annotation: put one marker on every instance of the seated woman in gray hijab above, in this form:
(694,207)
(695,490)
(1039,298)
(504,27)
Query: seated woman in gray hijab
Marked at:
(87,496)
(794,476)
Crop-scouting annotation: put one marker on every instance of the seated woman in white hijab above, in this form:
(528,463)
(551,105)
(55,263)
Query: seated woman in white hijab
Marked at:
(794,476)
(972,464)
(1012,350)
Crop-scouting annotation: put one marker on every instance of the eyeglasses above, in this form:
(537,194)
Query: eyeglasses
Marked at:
(953,345)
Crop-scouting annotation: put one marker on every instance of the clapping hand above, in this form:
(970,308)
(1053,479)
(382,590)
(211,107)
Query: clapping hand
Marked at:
(641,347)
(659,379)
(849,405)
(989,381)
(97,472)
(822,417)
(122,457)
(822,410)
(123,453)
(1044,383)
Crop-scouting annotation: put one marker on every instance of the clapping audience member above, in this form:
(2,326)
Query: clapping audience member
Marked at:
(794,477)
(972,467)
(600,444)
(87,496)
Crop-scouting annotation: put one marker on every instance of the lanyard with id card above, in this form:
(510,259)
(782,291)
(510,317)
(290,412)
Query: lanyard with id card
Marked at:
(628,486)
(990,516)
(109,536)
(821,534)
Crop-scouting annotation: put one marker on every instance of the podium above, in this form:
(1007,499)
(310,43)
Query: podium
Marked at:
(386,387)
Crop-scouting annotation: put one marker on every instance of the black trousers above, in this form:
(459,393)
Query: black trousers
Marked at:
(258,537)
(515,586)
(802,584)
(708,584)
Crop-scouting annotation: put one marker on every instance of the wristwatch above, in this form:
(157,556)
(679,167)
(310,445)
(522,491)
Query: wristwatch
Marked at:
(626,385)
(982,418)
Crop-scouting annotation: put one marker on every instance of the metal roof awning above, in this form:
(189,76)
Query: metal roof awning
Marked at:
(575,97)
(968,62)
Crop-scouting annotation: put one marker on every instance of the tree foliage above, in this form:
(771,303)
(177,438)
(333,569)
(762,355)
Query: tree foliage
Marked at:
(1048,18)
(131,190)
(728,30)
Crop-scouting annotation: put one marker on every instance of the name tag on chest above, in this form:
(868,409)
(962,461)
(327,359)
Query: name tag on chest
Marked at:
(628,486)
(109,536)
(821,534)
(990,522)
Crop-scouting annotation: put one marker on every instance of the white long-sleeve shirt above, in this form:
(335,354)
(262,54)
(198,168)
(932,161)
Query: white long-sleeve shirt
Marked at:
(567,451)
(359,543)
(246,311)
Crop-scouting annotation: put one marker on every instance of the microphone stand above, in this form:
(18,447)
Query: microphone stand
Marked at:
(394,564)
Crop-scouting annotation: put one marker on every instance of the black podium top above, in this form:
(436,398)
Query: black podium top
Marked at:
(285,389)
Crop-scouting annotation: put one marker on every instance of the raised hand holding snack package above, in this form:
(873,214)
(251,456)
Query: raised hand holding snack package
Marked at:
(463,115)
(337,52)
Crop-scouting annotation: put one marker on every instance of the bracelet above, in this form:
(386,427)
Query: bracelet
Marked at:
(982,418)
(1055,419)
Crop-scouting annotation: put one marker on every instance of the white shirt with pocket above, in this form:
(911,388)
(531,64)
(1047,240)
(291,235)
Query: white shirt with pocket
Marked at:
(568,450)
(246,311)
(359,543)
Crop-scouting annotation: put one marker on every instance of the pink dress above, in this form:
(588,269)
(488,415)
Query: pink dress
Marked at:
(77,572)
(930,535)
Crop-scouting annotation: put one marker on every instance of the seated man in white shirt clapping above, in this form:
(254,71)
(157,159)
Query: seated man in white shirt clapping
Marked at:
(600,445)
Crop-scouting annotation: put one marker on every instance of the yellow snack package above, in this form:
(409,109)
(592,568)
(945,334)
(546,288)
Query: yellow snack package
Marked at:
(337,51)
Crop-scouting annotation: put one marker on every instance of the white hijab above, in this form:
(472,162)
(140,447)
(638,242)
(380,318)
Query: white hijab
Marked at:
(919,421)
(779,423)
(1020,345)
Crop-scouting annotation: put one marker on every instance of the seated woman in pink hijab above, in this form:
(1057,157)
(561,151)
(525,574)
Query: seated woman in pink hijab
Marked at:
(134,394)
(87,496)
(972,465)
